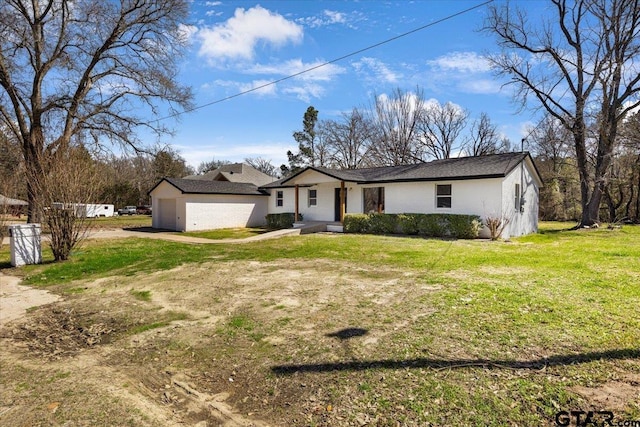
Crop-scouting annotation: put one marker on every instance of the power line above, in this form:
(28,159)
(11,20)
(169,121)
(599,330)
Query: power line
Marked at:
(324,64)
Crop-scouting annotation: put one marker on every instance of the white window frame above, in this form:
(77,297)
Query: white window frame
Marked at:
(279,198)
(312,202)
(444,196)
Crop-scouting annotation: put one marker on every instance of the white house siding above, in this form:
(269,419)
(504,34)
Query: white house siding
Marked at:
(469,197)
(525,221)
(288,201)
(189,212)
(212,211)
(325,208)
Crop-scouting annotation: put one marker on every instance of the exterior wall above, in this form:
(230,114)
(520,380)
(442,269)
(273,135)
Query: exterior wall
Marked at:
(525,220)
(472,197)
(325,208)
(288,201)
(493,197)
(163,206)
(211,211)
(190,212)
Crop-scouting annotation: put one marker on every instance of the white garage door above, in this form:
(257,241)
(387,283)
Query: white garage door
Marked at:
(167,212)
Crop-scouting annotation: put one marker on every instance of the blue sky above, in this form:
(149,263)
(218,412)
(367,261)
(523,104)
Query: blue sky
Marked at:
(239,45)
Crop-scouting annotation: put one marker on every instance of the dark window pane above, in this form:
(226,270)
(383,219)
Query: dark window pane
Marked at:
(444,202)
(444,190)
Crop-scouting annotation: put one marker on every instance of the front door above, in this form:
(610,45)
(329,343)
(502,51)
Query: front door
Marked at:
(337,203)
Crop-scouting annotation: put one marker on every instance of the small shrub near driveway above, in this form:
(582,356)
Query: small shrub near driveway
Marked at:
(281,220)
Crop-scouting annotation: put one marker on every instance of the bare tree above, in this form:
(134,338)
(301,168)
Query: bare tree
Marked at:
(68,187)
(210,165)
(348,139)
(84,71)
(550,143)
(394,121)
(440,126)
(263,165)
(483,138)
(582,60)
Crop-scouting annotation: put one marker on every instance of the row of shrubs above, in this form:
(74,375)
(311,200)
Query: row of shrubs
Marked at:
(278,221)
(430,225)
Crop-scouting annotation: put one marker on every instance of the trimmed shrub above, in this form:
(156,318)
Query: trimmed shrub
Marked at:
(428,225)
(408,224)
(432,225)
(464,226)
(382,223)
(356,223)
(281,220)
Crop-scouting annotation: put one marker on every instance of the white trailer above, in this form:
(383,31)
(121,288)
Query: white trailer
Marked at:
(87,210)
(91,210)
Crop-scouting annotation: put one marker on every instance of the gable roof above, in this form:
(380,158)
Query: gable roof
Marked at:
(490,166)
(234,172)
(196,186)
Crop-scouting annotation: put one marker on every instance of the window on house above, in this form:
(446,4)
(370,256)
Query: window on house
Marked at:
(279,198)
(518,203)
(313,197)
(373,199)
(443,195)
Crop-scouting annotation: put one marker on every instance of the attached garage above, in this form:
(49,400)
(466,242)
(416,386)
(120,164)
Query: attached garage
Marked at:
(190,205)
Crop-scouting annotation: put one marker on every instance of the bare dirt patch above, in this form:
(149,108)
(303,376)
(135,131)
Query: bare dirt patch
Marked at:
(245,343)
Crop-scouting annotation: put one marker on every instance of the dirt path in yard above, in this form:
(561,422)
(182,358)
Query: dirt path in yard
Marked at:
(16,299)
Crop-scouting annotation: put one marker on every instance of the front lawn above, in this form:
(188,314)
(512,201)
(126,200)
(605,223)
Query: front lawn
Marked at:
(226,233)
(335,330)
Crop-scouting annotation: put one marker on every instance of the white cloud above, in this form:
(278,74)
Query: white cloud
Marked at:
(480,86)
(305,91)
(467,62)
(237,38)
(213,3)
(329,17)
(187,32)
(375,70)
(258,87)
(294,66)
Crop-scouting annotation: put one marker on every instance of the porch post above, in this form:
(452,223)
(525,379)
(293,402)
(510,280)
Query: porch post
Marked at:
(295,218)
(342,197)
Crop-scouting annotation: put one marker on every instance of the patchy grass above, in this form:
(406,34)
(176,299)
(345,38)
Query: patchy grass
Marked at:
(226,233)
(349,330)
(141,295)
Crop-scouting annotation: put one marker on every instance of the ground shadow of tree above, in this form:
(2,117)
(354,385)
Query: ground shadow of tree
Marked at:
(558,360)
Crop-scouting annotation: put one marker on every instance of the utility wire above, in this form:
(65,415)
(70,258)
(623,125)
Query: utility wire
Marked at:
(324,64)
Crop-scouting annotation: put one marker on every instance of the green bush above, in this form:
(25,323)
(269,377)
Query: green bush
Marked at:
(408,224)
(356,223)
(380,223)
(464,226)
(432,225)
(428,225)
(281,220)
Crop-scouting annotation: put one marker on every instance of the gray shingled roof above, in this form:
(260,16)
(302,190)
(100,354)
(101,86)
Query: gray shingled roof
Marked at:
(235,172)
(194,186)
(491,166)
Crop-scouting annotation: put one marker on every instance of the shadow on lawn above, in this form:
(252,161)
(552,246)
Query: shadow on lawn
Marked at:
(559,360)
